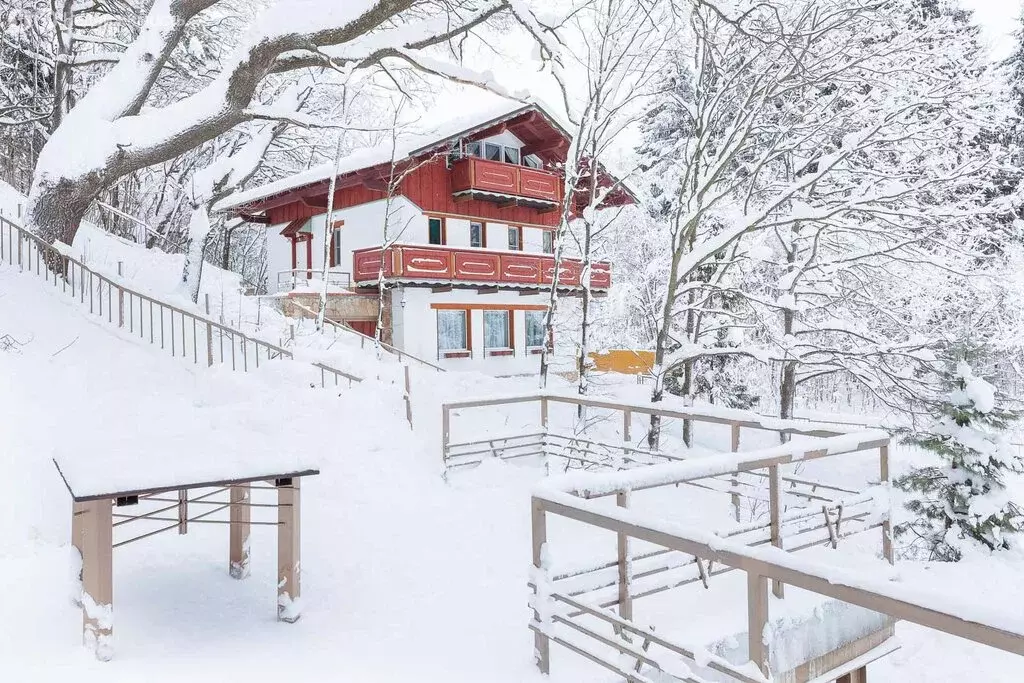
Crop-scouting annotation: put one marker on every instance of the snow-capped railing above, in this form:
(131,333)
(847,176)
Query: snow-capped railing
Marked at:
(558,605)
(188,335)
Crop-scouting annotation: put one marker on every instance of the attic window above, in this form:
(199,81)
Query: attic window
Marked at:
(532,161)
(511,155)
(492,151)
(471,149)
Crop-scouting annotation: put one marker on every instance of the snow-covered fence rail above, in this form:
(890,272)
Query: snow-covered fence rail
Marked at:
(191,336)
(365,340)
(565,615)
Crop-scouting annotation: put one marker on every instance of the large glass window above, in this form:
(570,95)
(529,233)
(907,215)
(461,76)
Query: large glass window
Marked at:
(436,230)
(496,330)
(535,329)
(515,242)
(511,155)
(532,161)
(492,151)
(452,331)
(476,235)
(472,149)
(549,242)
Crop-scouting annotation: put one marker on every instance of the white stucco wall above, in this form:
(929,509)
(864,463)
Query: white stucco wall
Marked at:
(415,328)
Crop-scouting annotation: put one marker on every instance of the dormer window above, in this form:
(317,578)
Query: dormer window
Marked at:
(492,152)
(511,155)
(532,161)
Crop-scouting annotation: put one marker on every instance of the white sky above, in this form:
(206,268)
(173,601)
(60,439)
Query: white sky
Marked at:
(998,19)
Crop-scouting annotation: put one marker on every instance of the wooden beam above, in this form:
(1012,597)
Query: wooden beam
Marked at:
(98,578)
(757,619)
(775,514)
(319,202)
(487,290)
(440,289)
(539,529)
(240,516)
(78,512)
(289,588)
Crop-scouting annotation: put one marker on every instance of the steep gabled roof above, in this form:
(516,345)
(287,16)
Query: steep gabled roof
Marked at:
(543,133)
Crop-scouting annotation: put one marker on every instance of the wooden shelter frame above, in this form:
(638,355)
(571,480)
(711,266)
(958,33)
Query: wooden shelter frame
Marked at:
(96,517)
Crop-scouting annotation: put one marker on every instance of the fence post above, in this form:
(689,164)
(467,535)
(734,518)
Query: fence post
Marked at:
(883,466)
(182,511)
(735,481)
(408,397)
(120,295)
(625,564)
(209,332)
(541,642)
(757,618)
(445,429)
(544,412)
(775,512)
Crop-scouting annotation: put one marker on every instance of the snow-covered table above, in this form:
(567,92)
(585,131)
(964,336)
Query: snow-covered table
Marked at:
(107,498)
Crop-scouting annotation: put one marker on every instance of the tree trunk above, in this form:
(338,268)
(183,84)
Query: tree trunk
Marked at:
(56,209)
(687,389)
(225,257)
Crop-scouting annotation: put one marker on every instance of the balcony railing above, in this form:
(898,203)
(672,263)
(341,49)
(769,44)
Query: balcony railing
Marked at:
(432,263)
(501,182)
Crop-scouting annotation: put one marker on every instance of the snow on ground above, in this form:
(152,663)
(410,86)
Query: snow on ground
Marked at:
(406,577)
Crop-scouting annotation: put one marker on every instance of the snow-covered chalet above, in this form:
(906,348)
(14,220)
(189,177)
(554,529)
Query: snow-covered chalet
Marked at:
(471,217)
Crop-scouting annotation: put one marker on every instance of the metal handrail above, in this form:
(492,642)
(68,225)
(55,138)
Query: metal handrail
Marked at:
(129,307)
(288,280)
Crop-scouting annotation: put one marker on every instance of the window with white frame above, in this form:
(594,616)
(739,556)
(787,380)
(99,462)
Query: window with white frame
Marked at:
(492,151)
(515,238)
(535,332)
(336,246)
(497,330)
(548,245)
(452,331)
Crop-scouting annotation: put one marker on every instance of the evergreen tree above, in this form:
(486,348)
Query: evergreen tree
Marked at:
(965,499)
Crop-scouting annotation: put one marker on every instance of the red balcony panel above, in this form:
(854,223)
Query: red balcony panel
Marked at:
(366,264)
(426,262)
(484,175)
(600,275)
(539,184)
(520,268)
(440,263)
(475,265)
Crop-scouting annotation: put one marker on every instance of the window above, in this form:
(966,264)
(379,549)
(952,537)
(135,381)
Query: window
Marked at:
(435,230)
(472,149)
(532,161)
(492,151)
(515,242)
(511,155)
(497,331)
(535,329)
(336,245)
(549,242)
(452,332)
(476,235)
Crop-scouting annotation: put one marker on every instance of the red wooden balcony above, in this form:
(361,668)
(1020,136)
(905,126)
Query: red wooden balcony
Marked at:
(438,264)
(475,178)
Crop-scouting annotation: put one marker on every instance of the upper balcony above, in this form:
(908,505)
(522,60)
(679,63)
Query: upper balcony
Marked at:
(505,183)
(432,264)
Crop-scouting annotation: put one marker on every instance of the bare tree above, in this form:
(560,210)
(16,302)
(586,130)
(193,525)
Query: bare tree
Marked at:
(115,129)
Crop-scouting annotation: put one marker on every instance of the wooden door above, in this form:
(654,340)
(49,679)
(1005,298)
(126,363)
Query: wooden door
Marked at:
(367,327)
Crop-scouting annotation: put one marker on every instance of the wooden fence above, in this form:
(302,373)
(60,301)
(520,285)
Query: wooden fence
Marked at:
(191,336)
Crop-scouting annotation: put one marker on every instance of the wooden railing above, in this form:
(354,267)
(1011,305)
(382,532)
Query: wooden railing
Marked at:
(473,174)
(434,263)
(182,333)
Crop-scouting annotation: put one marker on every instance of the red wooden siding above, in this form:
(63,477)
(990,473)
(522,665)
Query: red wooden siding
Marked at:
(343,199)
(430,187)
(540,184)
(440,264)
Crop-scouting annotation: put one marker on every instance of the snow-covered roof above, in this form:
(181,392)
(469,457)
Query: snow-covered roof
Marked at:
(404,146)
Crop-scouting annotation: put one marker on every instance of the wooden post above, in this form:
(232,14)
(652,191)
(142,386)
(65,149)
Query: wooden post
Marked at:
(775,512)
(239,514)
(627,424)
(541,642)
(544,412)
(98,577)
(288,580)
(209,332)
(757,619)
(408,397)
(625,599)
(735,481)
(445,432)
(78,513)
(883,465)
(183,511)
(120,295)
